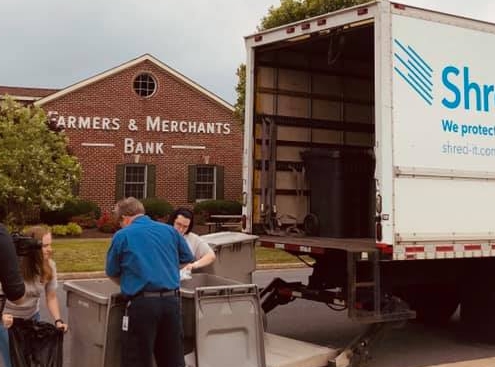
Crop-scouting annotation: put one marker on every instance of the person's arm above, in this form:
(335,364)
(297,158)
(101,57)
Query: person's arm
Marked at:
(10,276)
(202,262)
(52,300)
(53,307)
(205,254)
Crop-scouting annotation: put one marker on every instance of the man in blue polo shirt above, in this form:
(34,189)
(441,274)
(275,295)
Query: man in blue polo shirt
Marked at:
(144,259)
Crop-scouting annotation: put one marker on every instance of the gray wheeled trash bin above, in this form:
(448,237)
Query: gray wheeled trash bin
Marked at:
(95,309)
(236,258)
(187,289)
(222,319)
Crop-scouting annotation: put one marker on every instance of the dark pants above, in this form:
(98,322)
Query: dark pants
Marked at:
(155,327)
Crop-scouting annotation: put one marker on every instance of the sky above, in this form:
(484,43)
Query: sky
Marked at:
(56,43)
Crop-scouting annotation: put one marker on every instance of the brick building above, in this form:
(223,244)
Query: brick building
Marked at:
(142,129)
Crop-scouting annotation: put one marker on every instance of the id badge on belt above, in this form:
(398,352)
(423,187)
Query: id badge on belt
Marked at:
(125,318)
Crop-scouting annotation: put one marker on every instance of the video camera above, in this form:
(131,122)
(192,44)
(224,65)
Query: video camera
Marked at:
(24,245)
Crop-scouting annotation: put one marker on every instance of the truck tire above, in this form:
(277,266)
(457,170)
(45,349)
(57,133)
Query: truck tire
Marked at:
(478,301)
(434,304)
(311,225)
(477,315)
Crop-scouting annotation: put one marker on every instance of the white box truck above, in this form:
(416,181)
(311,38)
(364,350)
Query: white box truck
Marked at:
(370,147)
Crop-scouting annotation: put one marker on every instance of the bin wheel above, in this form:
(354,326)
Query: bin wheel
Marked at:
(311,225)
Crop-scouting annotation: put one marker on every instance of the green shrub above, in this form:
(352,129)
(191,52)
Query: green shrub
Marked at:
(73,229)
(84,220)
(209,207)
(71,208)
(59,230)
(157,208)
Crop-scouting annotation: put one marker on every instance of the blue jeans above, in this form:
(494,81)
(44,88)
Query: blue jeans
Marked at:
(4,342)
(155,328)
(4,347)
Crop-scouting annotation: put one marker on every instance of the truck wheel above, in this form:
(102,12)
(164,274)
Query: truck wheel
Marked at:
(477,315)
(311,225)
(434,304)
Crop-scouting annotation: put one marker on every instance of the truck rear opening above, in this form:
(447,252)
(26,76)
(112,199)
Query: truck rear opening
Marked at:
(369,147)
(314,133)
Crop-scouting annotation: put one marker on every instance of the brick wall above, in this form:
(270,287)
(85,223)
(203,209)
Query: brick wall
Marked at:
(114,97)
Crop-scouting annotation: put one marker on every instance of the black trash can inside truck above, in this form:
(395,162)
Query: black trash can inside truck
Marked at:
(342,191)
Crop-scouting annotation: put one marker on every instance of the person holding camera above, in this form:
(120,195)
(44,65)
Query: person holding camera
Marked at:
(12,284)
(10,276)
(40,276)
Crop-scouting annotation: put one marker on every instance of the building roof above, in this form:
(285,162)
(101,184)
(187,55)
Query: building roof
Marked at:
(131,63)
(25,93)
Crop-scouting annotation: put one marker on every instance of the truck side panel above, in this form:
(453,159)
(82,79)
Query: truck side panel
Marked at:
(447,207)
(443,126)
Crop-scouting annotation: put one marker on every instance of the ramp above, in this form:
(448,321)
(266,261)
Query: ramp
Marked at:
(285,352)
(485,362)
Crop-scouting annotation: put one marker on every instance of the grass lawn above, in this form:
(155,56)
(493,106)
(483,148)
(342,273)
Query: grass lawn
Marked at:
(79,255)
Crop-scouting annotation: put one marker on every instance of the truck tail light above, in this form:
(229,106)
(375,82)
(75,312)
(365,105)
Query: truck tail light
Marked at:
(385,248)
(244,221)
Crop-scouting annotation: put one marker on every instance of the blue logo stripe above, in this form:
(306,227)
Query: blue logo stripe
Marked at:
(421,59)
(417,82)
(413,77)
(420,62)
(413,86)
(424,78)
(414,70)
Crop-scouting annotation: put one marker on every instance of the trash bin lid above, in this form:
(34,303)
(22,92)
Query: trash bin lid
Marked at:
(227,238)
(188,286)
(96,290)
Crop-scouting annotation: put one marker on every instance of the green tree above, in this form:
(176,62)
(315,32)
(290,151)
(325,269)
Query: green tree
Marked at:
(241,92)
(289,11)
(36,170)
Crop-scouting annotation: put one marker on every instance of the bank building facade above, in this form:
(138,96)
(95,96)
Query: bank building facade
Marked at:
(143,129)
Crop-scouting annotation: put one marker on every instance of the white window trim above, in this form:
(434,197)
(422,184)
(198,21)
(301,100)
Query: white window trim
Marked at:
(145,189)
(214,182)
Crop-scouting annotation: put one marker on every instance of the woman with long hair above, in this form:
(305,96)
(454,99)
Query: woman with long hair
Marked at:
(182,220)
(40,276)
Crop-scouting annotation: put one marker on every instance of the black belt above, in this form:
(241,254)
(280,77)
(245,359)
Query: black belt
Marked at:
(162,293)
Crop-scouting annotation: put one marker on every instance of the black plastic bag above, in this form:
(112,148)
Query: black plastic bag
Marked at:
(35,344)
(3,300)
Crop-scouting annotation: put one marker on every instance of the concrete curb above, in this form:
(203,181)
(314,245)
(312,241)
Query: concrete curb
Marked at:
(485,362)
(101,274)
(81,275)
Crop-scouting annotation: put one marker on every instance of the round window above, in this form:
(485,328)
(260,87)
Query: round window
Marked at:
(144,85)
